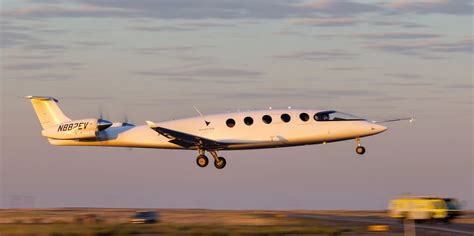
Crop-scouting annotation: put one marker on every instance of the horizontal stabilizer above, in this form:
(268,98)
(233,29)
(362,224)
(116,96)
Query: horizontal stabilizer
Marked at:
(44,98)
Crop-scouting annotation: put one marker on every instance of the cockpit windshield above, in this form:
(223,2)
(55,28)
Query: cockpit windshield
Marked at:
(334,116)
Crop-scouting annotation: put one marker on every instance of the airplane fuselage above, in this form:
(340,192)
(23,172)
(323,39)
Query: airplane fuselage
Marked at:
(259,134)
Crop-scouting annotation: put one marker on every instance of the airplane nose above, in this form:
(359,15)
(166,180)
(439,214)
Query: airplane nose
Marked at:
(378,128)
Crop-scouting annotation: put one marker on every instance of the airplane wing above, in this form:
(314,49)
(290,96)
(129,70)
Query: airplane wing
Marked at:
(186,140)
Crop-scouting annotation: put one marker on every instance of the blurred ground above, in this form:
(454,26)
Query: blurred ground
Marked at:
(93,221)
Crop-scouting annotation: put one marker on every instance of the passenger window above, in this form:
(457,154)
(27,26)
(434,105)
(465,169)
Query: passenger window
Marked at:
(285,118)
(304,117)
(230,123)
(267,119)
(248,120)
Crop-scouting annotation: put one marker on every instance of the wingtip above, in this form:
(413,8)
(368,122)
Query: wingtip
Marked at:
(151,124)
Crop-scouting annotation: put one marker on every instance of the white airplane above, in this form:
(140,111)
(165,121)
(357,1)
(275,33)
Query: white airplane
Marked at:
(210,133)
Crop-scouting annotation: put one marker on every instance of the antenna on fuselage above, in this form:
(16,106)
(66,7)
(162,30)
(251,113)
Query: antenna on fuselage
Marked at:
(197,110)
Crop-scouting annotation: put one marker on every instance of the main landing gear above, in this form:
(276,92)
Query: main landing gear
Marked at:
(359,149)
(202,161)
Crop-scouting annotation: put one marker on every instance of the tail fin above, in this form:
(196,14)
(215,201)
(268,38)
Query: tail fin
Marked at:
(48,111)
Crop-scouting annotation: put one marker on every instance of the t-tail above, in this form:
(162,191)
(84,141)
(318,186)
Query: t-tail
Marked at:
(57,126)
(48,112)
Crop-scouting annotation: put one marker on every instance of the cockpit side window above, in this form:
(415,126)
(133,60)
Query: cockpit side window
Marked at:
(335,116)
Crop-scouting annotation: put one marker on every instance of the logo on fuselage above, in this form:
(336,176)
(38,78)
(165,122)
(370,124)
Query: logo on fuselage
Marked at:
(207,122)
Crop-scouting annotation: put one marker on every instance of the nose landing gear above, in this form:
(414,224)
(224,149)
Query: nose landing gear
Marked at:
(359,149)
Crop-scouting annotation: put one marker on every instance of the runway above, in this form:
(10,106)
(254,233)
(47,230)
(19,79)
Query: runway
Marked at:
(457,228)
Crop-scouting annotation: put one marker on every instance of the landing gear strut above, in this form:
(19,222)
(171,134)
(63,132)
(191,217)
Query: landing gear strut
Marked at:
(202,161)
(359,149)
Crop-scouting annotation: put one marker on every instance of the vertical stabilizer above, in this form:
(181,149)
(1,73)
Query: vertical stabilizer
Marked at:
(48,111)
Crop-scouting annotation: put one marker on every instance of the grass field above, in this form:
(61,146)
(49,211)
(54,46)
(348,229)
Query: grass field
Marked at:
(91,221)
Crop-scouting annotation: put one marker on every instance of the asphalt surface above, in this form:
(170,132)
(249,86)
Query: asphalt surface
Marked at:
(457,229)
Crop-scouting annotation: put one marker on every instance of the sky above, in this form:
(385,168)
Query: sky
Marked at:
(155,60)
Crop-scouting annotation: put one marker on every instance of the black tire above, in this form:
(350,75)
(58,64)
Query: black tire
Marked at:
(220,163)
(202,161)
(360,150)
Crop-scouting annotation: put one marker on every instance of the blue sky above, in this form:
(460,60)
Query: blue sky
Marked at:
(154,60)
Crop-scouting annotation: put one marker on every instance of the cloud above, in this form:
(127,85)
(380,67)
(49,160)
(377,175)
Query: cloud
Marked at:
(51,31)
(225,72)
(230,9)
(45,77)
(397,23)
(335,54)
(10,39)
(52,48)
(460,86)
(208,24)
(14,34)
(43,65)
(452,7)
(163,9)
(58,10)
(324,21)
(173,49)
(187,26)
(403,75)
(398,35)
(424,47)
(352,68)
(339,8)
(207,59)
(203,72)
(183,53)
(410,84)
(92,43)
(31,57)
(161,28)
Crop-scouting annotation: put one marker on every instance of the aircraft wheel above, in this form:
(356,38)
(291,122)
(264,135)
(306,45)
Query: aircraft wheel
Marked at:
(220,163)
(360,150)
(202,161)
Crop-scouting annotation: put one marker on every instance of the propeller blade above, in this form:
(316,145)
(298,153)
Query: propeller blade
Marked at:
(101,122)
(125,121)
(101,114)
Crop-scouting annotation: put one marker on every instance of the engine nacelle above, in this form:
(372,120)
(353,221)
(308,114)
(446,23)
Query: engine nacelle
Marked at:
(77,129)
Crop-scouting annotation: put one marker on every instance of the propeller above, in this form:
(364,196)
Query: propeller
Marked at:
(101,122)
(125,121)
